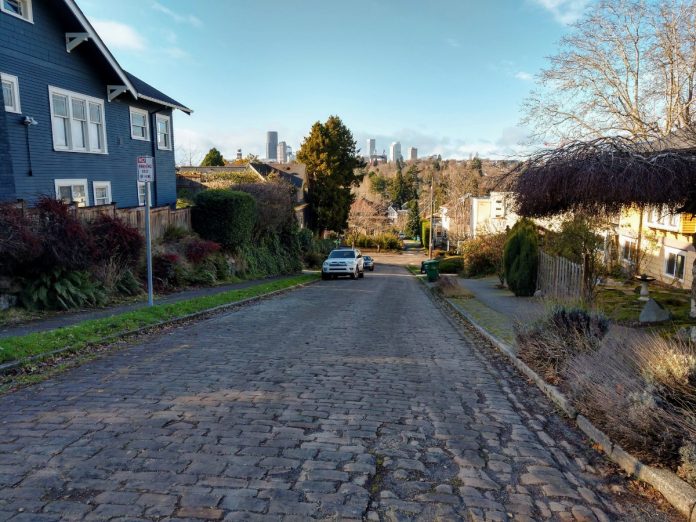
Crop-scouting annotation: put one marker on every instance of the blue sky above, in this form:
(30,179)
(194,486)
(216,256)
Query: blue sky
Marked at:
(445,76)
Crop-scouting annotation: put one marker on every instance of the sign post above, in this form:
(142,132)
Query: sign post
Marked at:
(146,174)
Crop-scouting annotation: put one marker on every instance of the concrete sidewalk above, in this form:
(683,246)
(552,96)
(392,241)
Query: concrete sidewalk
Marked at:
(497,309)
(74,317)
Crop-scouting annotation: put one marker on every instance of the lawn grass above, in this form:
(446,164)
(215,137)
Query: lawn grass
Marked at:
(415,270)
(97,330)
(620,303)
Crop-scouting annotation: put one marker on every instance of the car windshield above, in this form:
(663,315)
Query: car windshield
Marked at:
(367,258)
(342,254)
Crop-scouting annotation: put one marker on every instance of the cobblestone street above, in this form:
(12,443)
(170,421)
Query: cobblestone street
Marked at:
(343,400)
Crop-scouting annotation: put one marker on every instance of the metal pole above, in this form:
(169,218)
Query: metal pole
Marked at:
(148,241)
(430,242)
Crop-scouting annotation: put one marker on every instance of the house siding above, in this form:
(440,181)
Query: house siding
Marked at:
(7,189)
(656,243)
(36,54)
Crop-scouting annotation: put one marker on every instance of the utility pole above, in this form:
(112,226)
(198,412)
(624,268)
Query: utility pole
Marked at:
(430,241)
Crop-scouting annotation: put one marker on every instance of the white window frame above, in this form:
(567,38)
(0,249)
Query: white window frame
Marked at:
(87,100)
(141,200)
(633,245)
(168,119)
(102,184)
(676,252)
(14,82)
(659,217)
(70,182)
(30,12)
(147,123)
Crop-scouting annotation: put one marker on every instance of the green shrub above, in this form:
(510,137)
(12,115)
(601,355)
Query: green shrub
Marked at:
(483,256)
(128,284)
(521,258)
(218,262)
(61,290)
(451,265)
(270,257)
(383,241)
(173,233)
(225,216)
(425,233)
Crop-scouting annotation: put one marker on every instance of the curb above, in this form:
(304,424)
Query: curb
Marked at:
(677,492)
(8,367)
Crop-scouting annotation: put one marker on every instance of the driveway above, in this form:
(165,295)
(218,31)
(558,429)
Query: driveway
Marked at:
(343,400)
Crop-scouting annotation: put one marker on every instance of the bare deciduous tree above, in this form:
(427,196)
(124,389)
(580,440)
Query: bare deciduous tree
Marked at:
(628,67)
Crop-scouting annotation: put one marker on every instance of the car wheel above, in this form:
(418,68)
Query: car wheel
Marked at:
(324,276)
(361,274)
(352,276)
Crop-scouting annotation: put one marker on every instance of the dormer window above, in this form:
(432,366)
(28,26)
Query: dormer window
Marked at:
(19,8)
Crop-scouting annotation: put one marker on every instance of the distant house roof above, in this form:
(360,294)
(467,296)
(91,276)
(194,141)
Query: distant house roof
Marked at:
(364,206)
(293,173)
(138,88)
(148,92)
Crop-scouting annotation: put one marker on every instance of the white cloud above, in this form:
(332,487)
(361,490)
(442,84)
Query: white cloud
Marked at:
(564,11)
(524,76)
(177,17)
(119,36)
(453,42)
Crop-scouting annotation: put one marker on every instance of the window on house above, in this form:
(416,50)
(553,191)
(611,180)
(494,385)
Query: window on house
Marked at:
(628,251)
(77,122)
(141,194)
(19,8)
(674,263)
(72,191)
(139,124)
(662,217)
(10,92)
(102,192)
(164,133)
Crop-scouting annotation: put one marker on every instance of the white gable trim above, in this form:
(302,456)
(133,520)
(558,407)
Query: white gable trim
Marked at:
(101,46)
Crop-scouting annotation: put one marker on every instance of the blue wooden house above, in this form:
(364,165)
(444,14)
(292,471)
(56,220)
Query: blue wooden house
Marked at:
(72,121)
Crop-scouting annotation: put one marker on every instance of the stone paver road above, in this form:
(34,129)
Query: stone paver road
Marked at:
(343,400)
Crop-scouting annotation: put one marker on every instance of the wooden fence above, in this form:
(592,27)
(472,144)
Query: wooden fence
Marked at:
(160,217)
(559,278)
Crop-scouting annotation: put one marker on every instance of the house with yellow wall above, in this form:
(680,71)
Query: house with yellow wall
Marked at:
(666,245)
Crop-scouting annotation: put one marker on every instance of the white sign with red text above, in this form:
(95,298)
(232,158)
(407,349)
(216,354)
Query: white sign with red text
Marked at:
(146,168)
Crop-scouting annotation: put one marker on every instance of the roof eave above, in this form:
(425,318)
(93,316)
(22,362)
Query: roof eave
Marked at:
(101,45)
(166,104)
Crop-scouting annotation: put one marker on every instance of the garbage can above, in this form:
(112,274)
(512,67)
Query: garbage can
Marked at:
(432,269)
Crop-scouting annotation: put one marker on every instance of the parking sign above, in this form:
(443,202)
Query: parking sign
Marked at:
(146,168)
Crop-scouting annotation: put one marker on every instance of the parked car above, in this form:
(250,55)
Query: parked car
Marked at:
(343,261)
(369,263)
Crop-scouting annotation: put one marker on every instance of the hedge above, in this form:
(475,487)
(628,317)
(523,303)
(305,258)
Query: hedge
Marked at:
(225,216)
(451,265)
(521,258)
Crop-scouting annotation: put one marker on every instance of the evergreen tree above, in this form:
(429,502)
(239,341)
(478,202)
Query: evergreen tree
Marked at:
(331,158)
(398,190)
(213,159)
(413,227)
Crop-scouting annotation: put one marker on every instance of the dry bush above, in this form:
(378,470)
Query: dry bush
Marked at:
(549,343)
(639,389)
(448,287)
(274,205)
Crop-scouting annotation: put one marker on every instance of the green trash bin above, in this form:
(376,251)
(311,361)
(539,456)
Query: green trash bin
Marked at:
(432,270)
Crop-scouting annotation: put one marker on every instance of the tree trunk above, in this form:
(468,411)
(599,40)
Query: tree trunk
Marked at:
(692,313)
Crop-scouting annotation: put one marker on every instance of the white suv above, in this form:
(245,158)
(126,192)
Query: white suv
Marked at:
(343,261)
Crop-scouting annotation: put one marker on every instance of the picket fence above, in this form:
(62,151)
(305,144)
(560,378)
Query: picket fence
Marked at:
(161,218)
(559,278)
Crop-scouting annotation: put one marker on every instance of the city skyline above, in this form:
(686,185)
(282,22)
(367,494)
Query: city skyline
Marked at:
(456,97)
